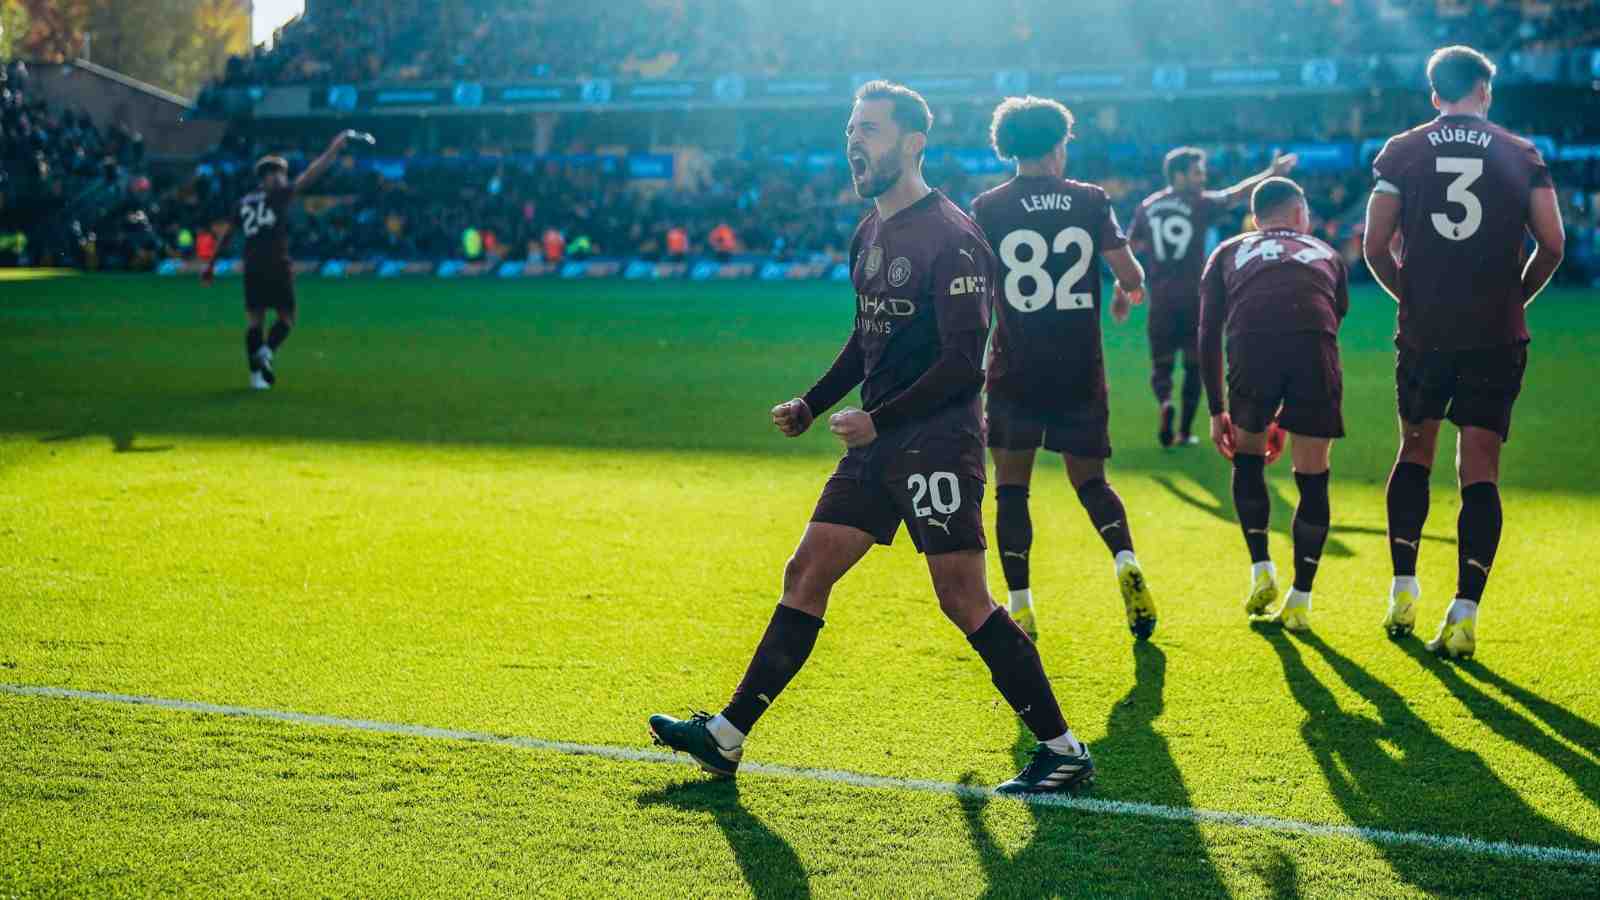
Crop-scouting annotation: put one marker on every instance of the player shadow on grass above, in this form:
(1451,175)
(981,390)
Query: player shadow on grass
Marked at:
(1511,725)
(1387,769)
(122,440)
(770,866)
(1073,853)
(1220,504)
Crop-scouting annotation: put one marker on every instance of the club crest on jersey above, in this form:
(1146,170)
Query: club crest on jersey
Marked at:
(899,271)
(874,260)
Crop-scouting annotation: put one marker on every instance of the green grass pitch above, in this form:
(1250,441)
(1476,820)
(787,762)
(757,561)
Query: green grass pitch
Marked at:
(550,509)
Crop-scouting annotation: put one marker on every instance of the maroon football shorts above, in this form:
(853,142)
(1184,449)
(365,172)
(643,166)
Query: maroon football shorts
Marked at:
(274,291)
(929,486)
(1473,388)
(1295,377)
(1086,433)
(1174,326)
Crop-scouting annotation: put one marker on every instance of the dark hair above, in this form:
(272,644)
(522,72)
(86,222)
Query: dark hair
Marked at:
(1181,159)
(1029,127)
(1454,72)
(267,164)
(911,112)
(1271,194)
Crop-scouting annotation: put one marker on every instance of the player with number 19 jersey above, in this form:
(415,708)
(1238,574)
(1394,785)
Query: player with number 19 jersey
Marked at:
(1046,365)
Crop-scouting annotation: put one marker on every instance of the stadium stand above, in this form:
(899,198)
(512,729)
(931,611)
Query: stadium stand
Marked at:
(71,194)
(655,181)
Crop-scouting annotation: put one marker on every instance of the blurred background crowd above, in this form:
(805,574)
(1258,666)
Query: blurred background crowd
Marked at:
(772,182)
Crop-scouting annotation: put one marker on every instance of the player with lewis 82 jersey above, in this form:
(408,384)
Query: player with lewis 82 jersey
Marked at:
(1447,227)
(1047,372)
(923,276)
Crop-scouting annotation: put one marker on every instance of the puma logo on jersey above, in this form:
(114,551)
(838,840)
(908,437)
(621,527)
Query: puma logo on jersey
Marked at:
(1022,556)
(938,524)
(1405,543)
(1479,566)
(1106,528)
(968,254)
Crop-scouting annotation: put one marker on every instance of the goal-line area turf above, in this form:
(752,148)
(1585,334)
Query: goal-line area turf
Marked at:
(394,627)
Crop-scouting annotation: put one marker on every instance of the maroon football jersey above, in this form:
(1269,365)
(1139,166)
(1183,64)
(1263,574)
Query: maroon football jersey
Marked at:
(1048,233)
(1465,186)
(922,278)
(1169,230)
(263,216)
(1272,282)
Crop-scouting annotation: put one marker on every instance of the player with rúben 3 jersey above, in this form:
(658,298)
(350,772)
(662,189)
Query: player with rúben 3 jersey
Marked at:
(1169,232)
(1454,203)
(1278,296)
(262,216)
(922,274)
(1047,371)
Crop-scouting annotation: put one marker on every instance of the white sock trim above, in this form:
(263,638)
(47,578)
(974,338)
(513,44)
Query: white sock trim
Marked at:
(1124,559)
(1265,566)
(728,737)
(1298,598)
(1021,600)
(1407,584)
(1461,608)
(1065,743)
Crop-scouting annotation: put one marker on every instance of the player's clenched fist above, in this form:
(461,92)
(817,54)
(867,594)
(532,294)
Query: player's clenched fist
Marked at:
(1222,434)
(854,427)
(792,418)
(1123,302)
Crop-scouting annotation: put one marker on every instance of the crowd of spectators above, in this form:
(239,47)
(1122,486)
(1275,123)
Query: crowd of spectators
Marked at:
(428,41)
(71,193)
(772,198)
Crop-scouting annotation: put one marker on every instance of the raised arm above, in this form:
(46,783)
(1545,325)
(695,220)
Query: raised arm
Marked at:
(320,164)
(1282,164)
(1550,234)
(1377,245)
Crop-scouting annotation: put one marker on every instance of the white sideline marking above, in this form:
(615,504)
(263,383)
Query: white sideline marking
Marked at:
(1448,843)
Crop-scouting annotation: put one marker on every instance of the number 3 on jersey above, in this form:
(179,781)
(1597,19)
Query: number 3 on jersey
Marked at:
(1032,269)
(1467,171)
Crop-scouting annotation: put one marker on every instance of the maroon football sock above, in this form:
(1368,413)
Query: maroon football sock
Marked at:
(1161,380)
(1016,669)
(1191,397)
(1013,531)
(1252,503)
(1311,520)
(783,650)
(1477,538)
(1408,510)
(252,343)
(1106,512)
(278,334)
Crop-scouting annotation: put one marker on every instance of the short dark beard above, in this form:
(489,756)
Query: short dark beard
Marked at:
(883,180)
